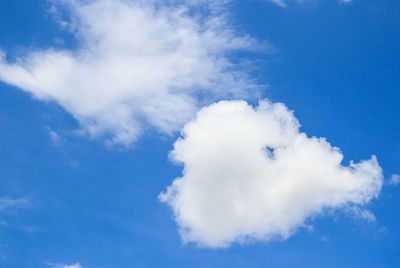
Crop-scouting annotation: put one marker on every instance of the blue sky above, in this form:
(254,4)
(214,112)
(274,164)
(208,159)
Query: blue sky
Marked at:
(80,175)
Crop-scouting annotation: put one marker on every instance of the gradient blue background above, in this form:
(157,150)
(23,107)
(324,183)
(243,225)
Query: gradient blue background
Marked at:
(337,66)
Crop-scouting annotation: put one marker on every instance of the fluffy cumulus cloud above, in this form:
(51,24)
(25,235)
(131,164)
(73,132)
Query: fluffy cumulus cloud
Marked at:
(250,174)
(138,64)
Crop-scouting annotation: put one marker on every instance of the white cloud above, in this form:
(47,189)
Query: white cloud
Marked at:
(139,63)
(54,136)
(74,266)
(8,203)
(283,3)
(249,174)
(77,265)
(394,179)
(363,214)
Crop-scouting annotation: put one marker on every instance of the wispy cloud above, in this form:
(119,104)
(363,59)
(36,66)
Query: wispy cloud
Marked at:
(9,204)
(54,265)
(362,214)
(281,3)
(54,136)
(140,64)
(394,179)
(284,3)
